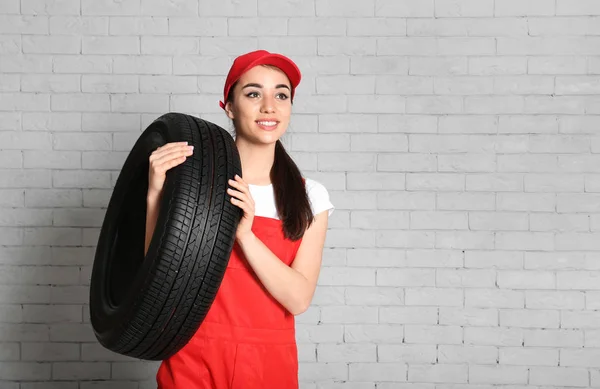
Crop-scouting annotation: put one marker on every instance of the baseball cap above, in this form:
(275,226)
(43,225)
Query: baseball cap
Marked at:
(247,61)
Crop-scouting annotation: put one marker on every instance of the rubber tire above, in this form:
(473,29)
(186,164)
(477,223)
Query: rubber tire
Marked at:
(150,307)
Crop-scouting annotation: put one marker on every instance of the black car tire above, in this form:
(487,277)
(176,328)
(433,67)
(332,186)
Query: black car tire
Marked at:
(150,306)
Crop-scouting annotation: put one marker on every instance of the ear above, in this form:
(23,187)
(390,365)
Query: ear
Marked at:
(229,111)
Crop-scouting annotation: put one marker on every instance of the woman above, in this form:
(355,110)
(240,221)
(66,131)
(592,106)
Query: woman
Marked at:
(247,339)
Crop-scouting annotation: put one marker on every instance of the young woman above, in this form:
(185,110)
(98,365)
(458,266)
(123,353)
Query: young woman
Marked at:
(247,339)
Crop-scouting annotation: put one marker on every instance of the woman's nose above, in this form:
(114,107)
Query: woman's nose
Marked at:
(268,104)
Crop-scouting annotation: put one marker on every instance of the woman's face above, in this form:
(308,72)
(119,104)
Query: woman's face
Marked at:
(261,106)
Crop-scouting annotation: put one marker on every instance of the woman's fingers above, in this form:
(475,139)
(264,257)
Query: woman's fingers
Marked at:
(241,200)
(171,153)
(167,148)
(174,153)
(170,164)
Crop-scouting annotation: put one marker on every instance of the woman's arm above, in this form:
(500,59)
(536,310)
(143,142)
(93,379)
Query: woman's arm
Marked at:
(293,286)
(162,159)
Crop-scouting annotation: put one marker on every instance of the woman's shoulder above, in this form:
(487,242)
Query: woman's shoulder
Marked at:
(318,196)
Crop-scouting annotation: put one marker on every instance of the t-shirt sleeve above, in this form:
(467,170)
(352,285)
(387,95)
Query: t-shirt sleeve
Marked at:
(319,197)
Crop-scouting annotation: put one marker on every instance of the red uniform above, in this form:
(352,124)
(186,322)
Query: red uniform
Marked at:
(247,340)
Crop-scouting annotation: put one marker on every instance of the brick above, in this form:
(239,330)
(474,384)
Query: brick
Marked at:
(548,46)
(490,298)
(465,201)
(142,65)
(172,46)
(18,371)
(446,373)
(463,86)
(462,27)
(111,45)
(387,26)
(529,319)
(176,8)
(108,7)
(471,317)
(379,104)
(351,352)
(292,45)
(109,84)
(442,66)
(494,336)
(345,84)
(404,8)
(474,144)
(553,338)
(323,371)
(145,25)
(275,8)
(81,370)
(346,276)
(37,44)
(408,162)
(374,296)
(464,8)
(472,355)
(396,200)
(413,46)
(430,296)
(38,352)
(378,65)
(255,27)
(524,240)
(351,46)
(413,85)
(487,66)
(559,376)
(498,374)
(434,105)
(394,372)
(10,7)
(434,181)
(343,8)
(525,8)
(84,102)
(348,315)
(563,26)
(577,7)
(556,65)
(44,7)
(359,123)
(407,353)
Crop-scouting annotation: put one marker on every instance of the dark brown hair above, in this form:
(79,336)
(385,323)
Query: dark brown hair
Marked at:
(291,198)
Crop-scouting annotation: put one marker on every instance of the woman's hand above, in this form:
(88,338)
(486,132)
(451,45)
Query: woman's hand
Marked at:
(243,199)
(162,159)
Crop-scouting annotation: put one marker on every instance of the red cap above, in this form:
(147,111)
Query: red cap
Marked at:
(247,61)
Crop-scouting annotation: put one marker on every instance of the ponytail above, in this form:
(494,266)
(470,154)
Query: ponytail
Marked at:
(291,199)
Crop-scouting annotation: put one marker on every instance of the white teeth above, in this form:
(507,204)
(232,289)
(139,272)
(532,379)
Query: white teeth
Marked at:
(267,123)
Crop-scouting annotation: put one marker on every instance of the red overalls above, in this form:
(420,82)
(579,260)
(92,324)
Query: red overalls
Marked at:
(247,340)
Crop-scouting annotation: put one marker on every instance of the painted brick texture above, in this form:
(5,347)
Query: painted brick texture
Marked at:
(459,141)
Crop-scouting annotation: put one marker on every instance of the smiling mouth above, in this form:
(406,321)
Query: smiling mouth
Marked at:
(267,125)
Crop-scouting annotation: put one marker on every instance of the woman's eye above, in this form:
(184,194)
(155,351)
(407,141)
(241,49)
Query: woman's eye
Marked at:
(281,96)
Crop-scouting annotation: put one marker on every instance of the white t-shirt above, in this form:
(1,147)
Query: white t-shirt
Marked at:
(264,199)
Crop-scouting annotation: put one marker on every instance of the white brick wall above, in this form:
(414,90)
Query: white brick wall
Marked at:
(459,141)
